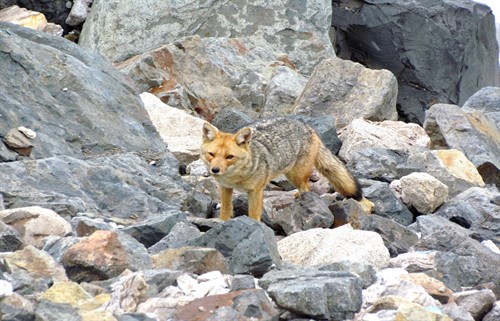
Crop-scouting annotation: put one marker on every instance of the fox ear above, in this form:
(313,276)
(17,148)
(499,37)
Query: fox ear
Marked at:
(209,132)
(243,136)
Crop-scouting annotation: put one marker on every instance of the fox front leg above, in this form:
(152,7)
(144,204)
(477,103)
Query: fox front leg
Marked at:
(255,203)
(226,200)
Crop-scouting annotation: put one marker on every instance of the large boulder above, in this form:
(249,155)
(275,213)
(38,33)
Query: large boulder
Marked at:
(75,101)
(440,51)
(285,26)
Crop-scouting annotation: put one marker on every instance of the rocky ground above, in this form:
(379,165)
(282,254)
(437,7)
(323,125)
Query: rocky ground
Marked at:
(106,213)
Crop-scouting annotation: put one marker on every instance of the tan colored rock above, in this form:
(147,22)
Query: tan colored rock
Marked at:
(18,142)
(35,223)
(37,263)
(29,19)
(348,90)
(195,260)
(361,134)
(423,191)
(323,246)
(406,310)
(180,131)
(437,289)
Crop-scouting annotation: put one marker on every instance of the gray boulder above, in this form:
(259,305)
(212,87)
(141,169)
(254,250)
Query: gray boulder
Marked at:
(300,31)
(315,294)
(379,164)
(78,104)
(446,61)
(487,101)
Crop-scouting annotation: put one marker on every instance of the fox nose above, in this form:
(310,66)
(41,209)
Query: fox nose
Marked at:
(215,170)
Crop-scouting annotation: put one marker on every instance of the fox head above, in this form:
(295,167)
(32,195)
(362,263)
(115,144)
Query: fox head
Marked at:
(225,153)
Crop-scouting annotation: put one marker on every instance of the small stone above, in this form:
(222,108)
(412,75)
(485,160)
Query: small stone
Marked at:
(31,134)
(18,142)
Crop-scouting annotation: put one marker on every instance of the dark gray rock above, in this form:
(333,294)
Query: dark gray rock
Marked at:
(230,120)
(153,229)
(478,210)
(446,62)
(25,283)
(51,311)
(56,246)
(10,239)
(180,232)
(315,294)
(365,271)
(75,101)
(159,279)
(84,226)
(249,246)
(13,312)
(477,302)
(397,238)
(457,313)
(242,282)
(494,314)
(486,100)
(124,186)
(308,211)
(6,155)
(379,164)
(198,204)
(135,317)
(387,204)
(325,128)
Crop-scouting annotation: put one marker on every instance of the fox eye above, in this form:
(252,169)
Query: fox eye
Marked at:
(211,154)
(228,157)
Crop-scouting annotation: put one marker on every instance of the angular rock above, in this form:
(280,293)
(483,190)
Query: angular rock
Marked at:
(476,209)
(10,239)
(189,259)
(35,224)
(324,126)
(477,302)
(180,131)
(347,211)
(323,246)
(125,186)
(379,164)
(242,282)
(46,310)
(348,91)
(307,212)
(249,246)
(50,77)
(153,229)
(403,309)
(397,238)
(127,292)
(7,155)
(230,120)
(485,100)
(159,279)
(281,26)
(79,12)
(16,307)
(18,142)
(361,134)
(450,167)
(387,204)
(437,289)
(103,255)
(29,19)
(446,62)
(424,192)
(494,313)
(55,10)
(181,232)
(366,272)
(472,132)
(284,87)
(319,295)
(457,313)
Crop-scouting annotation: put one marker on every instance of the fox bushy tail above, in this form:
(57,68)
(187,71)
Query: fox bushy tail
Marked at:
(337,174)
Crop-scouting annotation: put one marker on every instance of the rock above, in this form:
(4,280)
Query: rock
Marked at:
(32,270)
(7,155)
(125,186)
(397,238)
(152,230)
(324,126)
(424,192)
(379,164)
(46,310)
(55,11)
(29,19)
(79,12)
(315,294)
(70,81)
(477,302)
(10,239)
(442,63)
(485,100)
(230,120)
(366,272)
(242,282)
(284,87)
(103,255)
(70,293)
(494,313)
(437,289)
(16,307)
(361,134)
(476,210)
(323,246)
(18,142)
(195,260)
(239,305)
(249,246)
(179,130)
(347,211)
(197,168)
(450,167)
(181,232)
(199,204)
(35,224)
(348,91)
(304,39)
(472,132)
(387,204)
(307,212)
(457,313)
(158,279)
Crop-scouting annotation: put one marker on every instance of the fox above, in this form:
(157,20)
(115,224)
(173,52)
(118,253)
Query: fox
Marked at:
(250,158)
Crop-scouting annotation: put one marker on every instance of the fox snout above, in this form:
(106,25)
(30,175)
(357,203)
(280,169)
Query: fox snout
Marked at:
(215,170)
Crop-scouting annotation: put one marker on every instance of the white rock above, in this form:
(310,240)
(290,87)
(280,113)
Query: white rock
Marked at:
(181,131)
(30,133)
(491,246)
(197,168)
(423,191)
(5,288)
(323,246)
